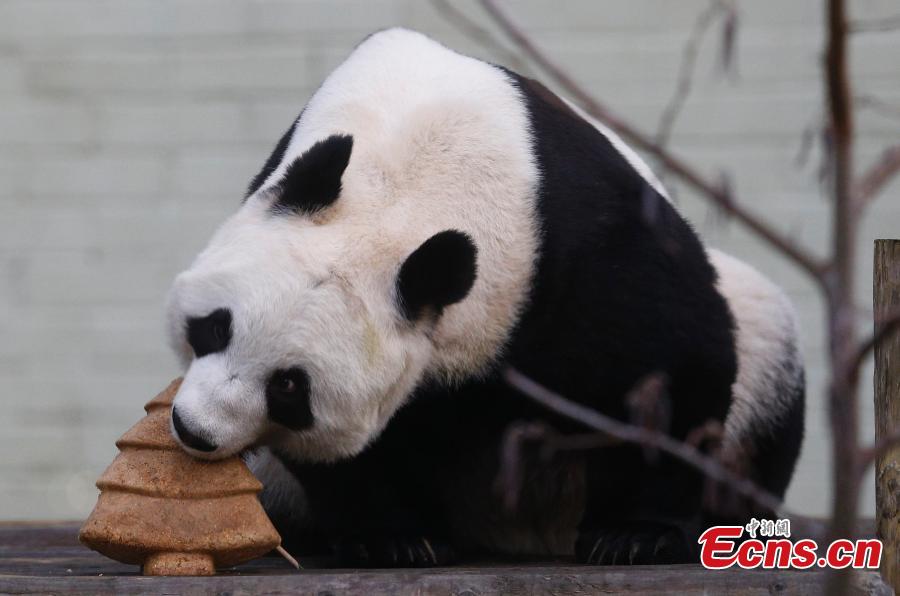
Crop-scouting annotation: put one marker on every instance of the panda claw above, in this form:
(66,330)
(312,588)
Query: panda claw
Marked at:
(431,556)
(638,543)
(635,548)
(392,552)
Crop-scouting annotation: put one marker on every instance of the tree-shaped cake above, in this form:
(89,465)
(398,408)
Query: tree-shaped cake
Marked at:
(171,513)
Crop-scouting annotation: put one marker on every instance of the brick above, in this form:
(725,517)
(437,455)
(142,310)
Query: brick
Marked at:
(12,75)
(102,74)
(239,70)
(359,16)
(267,120)
(43,122)
(222,172)
(50,19)
(104,174)
(171,124)
(93,279)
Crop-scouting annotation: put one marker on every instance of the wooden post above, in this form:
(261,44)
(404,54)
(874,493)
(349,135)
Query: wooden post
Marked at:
(887,410)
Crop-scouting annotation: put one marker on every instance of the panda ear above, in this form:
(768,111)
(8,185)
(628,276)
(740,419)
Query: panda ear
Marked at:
(437,274)
(313,181)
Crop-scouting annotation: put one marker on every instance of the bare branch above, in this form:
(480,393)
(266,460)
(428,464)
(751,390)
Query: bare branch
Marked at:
(706,188)
(876,178)
(843,394)
(880,25)
(711,430)
(880,447)
(511,477)
(647,404)
(478,34)
(885,328)
(877,106)
(729,37)
(622,431)
(686,70)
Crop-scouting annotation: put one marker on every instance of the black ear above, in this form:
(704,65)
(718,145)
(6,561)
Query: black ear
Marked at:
(437,274)
(313,181)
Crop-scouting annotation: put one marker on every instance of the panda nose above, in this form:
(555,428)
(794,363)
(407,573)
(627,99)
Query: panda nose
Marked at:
(189,438)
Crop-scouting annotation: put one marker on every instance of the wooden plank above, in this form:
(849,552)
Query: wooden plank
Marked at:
(38,534)
(681,579)
(886,297)
(47,559)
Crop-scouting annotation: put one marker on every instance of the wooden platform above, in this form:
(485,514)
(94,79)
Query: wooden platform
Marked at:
(47,558)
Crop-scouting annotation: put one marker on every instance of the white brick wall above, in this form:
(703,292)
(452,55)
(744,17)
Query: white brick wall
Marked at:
(129,129)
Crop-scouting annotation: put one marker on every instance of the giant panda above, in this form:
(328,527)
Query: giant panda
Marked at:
(428,221)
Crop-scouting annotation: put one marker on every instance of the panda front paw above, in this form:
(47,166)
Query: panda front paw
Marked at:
(634,543)
(393,551)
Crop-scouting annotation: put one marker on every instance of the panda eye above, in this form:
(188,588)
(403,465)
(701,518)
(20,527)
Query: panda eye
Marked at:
(287,398)
(288,383)
(285,384)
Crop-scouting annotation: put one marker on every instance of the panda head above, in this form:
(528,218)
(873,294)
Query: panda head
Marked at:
(304,330)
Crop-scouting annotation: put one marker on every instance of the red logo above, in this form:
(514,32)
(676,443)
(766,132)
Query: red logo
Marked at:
(721,547)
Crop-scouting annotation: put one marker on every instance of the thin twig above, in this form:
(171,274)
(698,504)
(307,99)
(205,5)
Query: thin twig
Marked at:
(881,446)
(510,479)
(880,25)
(630,433)
(686,71)
(471,29)
(711,430)
(869,184)
(280,550)
(885,327)
(807,261)
(511,476)
(877,106)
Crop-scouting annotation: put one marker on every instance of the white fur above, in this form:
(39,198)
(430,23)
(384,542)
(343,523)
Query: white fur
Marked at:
(440,142)
(766,342)
(282,493)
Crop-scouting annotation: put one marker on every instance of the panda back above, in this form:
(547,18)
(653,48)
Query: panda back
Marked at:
(764,426)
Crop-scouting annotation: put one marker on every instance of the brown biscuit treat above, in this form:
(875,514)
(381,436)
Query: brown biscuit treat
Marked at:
(173,514)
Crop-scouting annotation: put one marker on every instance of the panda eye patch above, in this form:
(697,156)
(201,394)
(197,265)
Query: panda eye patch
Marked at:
(209,334)
(287,398)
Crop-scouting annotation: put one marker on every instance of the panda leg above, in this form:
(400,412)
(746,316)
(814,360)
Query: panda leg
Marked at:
(374,512)
(638,512)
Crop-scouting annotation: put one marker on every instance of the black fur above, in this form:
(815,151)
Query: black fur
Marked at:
(437,274)
(187,436)
(209,334)
(313,181)
(273,161)
(287,398)
(775,449)
(623,288)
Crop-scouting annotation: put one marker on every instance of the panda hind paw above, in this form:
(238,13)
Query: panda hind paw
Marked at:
(636,543)
(393,551)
